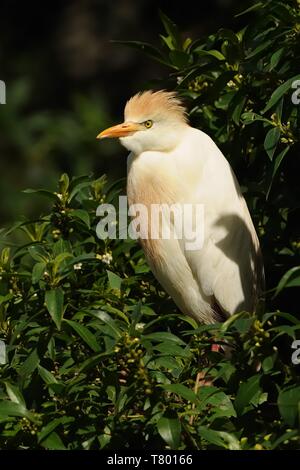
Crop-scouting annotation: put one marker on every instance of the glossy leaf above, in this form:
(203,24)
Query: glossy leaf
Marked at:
(247,392)
(114,280)
(85,334)
(54,300)
(53,442)
(11,408)
(49,428)
(289,405)
(170,430)
(44,193)
(164,336)
(14,394)
(219,438)
(212,53)
(271,141)
(290,279)
(181,390)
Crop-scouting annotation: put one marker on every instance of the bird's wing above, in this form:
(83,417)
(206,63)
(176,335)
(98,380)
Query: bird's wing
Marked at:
(228,266)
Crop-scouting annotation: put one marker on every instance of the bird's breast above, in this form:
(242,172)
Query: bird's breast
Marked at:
(150,184)
(151,181)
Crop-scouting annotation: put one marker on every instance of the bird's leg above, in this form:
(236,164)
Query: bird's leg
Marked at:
(200,382)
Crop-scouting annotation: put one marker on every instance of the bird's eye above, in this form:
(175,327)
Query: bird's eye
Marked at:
(148,124)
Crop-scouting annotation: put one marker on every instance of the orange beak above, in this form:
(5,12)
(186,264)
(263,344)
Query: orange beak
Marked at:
(120,130)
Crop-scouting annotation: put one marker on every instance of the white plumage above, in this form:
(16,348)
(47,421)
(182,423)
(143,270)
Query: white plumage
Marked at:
(171,162)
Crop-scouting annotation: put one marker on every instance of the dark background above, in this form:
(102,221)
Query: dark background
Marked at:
(66,80)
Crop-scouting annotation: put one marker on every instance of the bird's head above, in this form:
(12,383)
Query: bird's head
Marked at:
(153,121)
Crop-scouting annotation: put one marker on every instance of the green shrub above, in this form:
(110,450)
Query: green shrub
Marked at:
(97,354)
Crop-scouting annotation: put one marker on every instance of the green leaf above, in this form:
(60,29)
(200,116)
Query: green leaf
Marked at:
(279,92)
(14,394)
(285,437)
(10,408)
(289,405)
(268,363)
(179,58)
(271,141)
(229,35)
(247,392)
(171,29)
(46,430)
(276,166)
(38,253)
(170,431)
(257,6)
(81,215)
(44,193)
(212,53)
(167,362)
(181,390)
(64,183)
(261,48)
(230,321)
(172,348)
(286,316)
(290,279)
(79,187)
(219,438)
(78,180)
(94,360)
(30,364)
(168,41)
(279,159)
(251,117)
(38,271)
(46,375)
(219,403)
(105,318)
(148,49)
(85,334)
(114,280)
(59,262)
(212,436)
(163,336)
(275,58)
(117,312)
(54,300)
(53,442)
(236,105)
(286,330)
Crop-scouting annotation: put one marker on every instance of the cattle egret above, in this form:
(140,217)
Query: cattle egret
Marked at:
(171,162)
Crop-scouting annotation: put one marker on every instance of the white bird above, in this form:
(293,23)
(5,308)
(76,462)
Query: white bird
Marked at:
(171,162)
